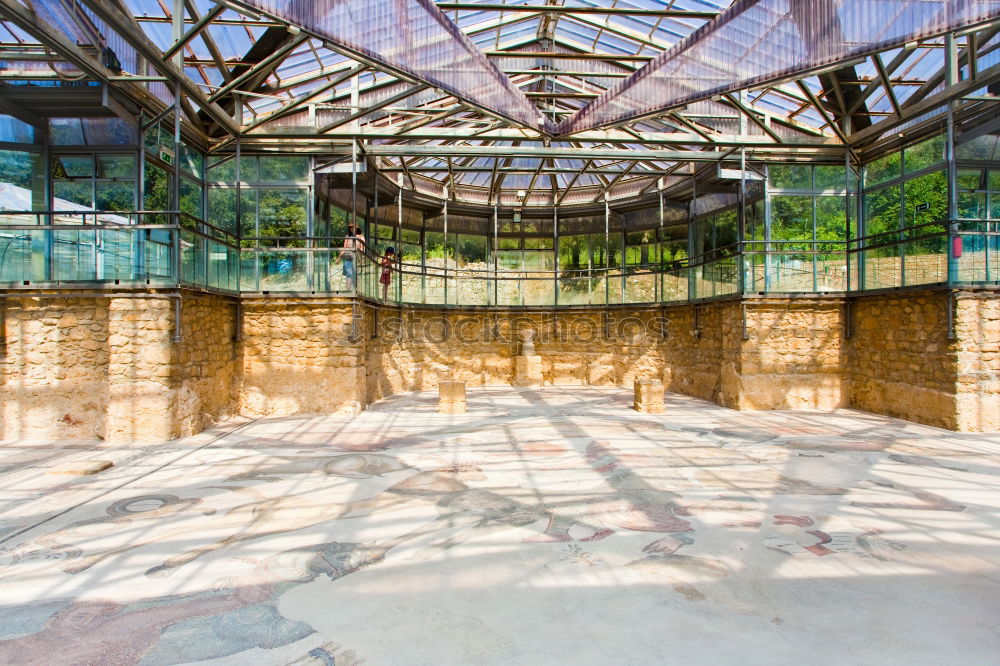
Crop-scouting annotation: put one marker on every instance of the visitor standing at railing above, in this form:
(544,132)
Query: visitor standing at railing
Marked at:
(386,277)
(354,242)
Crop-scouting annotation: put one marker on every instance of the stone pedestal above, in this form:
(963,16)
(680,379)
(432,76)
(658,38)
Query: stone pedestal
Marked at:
(528,370)
(649,396)
(451,397)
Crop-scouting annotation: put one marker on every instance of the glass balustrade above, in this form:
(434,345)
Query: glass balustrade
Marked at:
(169,248)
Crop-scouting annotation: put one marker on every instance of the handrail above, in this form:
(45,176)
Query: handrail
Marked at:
(218,257)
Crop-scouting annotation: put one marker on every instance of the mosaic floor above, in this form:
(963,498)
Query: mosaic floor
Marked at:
(550,526)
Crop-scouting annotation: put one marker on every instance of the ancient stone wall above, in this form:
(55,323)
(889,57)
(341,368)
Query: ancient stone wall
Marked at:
(977,355)
(793,357)
(900,361)
(790,360)
(109,368)
(80,367)
(701,349)
(300,357)
(413,350)
(53,368)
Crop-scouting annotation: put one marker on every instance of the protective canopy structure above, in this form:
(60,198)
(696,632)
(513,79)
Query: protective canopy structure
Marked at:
(757,42)
(415,38)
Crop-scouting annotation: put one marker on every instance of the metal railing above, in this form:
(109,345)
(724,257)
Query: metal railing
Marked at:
(170,248)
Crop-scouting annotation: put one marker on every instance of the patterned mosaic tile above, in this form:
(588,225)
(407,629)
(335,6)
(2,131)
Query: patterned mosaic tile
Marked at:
(543,526)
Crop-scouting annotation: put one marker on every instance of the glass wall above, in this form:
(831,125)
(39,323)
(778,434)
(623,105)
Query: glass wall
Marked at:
(976,252)
(905,201)
(22,188)
(260,211)
(266,200)
(803,223)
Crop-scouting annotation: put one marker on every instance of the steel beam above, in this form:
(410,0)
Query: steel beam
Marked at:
(563,9)
(193,31)
(544,152)
(374,107)
(914,110)
(258,67)
(130,31)
(459,133)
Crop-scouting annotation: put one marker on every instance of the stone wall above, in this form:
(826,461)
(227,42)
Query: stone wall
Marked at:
(977,350)
(414,349)
(53,367)
(900,361)
(791,358)
(108,367)
(163,389)
(299,357)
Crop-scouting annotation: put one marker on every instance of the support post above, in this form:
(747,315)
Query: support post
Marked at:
(951,78)
(178,320)
(741,230)
(238,322)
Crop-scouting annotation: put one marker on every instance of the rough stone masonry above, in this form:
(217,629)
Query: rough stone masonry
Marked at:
(76,368)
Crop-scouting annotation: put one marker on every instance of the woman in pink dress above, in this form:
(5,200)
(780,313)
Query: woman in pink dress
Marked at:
(386,277)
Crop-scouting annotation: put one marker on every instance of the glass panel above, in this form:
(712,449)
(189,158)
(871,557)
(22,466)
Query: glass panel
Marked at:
(193,256)
(283,271)
(116,259)
(994,205)
(74,255)
(15,131)
(598,250)
(283,168)
(971,179)
(790,176)
(248,169)
(191,198)
(78,166)
(471,251)
(66,132)
(882,209)
(538,243)
(115,196)
(927,201)
(925,261)
(883,169)
(65,194)
(222,208)
(158,255)
(22,181)
(574,252)
(830,178)
(972,206)
(248,217)
(116,166)
(155,192)
(831,258)
(192,161)
(726,232)
(924,154)
(21,256)
(982,148)
(791,218)
(283,214)
(222,170)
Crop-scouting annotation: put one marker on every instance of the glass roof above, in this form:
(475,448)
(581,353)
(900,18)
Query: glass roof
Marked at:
(454,80)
